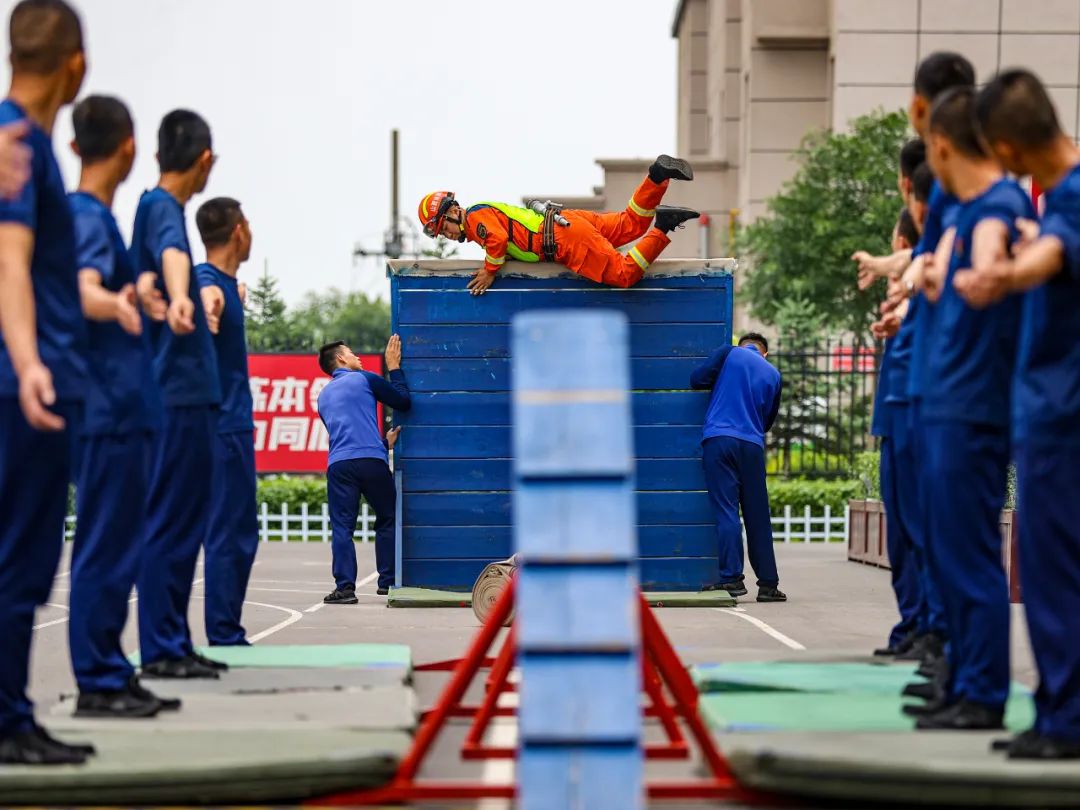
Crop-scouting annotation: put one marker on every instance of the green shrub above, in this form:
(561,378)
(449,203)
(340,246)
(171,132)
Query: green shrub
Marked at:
(798,493)
(866,471)
(803,458)
(292,491)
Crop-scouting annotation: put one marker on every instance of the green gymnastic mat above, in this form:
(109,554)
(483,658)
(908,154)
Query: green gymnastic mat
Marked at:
(147,765)
(798,676)
(310,655)
(426,597)
(930,769)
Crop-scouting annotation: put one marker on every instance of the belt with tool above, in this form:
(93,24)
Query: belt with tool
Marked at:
(550,212)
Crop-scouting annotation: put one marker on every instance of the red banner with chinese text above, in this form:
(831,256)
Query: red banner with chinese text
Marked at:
(289,435)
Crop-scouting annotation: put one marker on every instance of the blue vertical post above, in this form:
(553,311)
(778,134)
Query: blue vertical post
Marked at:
(579,632)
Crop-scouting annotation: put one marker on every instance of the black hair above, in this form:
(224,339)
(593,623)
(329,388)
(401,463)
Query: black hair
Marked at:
(922,183)
(1015,107)
(941,71)
(906,227)
(755,337)
(912,155)
(43,33)
(102,124)
(216,219)
(328,354)
(182,137)
(953,116)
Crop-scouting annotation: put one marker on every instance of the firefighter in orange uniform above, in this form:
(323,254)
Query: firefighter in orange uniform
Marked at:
(587,244)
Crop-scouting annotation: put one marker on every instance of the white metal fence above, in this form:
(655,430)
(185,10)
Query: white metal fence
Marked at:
(311,525)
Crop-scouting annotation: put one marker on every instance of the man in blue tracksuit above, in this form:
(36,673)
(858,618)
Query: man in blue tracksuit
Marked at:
(358,464)
(1017,118)
(42,367)
(742,408)
(233,535)
(966,386)
(185,367)
(122,412)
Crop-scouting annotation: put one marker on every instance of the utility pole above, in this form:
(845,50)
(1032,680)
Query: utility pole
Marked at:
(394,237)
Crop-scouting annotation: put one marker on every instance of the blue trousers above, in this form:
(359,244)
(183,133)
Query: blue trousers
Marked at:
(897,475)
(968,466)
(917,477)
(346,482)
(735,476)
(35,469)
(111,475)
(232,538)
(1048,510)
(178,500)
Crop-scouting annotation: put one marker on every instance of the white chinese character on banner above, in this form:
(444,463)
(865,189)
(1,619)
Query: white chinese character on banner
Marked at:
(290,432)
(258,395)
(316,388)
(288,395)
(319,438)
(260,435)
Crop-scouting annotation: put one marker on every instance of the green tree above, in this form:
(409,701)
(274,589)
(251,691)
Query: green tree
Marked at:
(362,322)
(267,324)
(842,199)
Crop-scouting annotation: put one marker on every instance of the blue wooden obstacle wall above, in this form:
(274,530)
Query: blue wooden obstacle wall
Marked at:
(454,454)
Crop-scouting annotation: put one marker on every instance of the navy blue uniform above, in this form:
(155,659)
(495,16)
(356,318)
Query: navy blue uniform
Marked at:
(112,465)
(185,369)
(906,389)
(35,467)
(358,465)
(971,356)
(896,474)
(233,535)
(1046,427)
(742,408)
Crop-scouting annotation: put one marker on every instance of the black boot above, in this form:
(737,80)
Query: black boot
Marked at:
(901,647)
(116,704)
(186,667)
(30,748)
(83,748)
(927,690)
(734,588)
(220,666)
(964,716)
(770,593)
(938,704)
(342,596)
(1031,745)
(667,167)
(137,689)
(670,217)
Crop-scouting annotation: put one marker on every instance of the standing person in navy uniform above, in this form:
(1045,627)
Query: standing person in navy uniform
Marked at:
(42,368)
(121,414)
(1018,120)
(358,464)
(233,535)
(965,411)
(185,368)
(742,408)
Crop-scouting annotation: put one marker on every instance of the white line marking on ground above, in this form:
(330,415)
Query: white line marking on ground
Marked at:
(286,590)
(763,627)
(62,607)
(503,733)
(294,616)
(315,608)
(374,575)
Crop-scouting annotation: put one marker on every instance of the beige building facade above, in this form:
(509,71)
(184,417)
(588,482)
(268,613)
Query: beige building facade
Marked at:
(754,76)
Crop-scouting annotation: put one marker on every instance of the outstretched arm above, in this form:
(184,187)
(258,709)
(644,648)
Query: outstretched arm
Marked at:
(704,377)
(493,236)
(395,391)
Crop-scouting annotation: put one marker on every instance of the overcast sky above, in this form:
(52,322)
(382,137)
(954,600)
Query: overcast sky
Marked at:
(494,99)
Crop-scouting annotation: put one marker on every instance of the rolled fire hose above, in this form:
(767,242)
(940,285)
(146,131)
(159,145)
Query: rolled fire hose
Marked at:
(489,586)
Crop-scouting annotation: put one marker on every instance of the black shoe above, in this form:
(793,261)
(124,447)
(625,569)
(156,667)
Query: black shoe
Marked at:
(83,748)
(667,167)
(939,704)
(186,667)
(933,649)
(914,649)
(137,689)
(927,690)
(220,666)
(964,716)
(32,748)
(1003,744)
(1037,746)
(733,588)
(118,704)
(670,217)
(341,596)
(901,647)
(770,593)
(382,591)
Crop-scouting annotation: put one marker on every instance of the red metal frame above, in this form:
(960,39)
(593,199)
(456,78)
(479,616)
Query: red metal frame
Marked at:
(663,674)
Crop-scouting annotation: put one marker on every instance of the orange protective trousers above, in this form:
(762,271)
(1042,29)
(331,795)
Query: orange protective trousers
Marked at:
(588,245)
